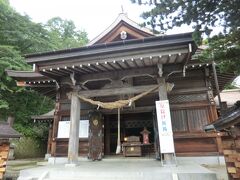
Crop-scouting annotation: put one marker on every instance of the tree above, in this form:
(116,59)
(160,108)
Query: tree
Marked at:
(19,31)
(18,36)
(30,37)
(63,33)
(16,102)
(203,15)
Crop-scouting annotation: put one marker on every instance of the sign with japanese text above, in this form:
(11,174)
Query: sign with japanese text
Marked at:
(164,127)
(64,128)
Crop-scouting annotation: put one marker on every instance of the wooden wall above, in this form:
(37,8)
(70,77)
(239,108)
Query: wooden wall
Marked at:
(4,150)
(62,147)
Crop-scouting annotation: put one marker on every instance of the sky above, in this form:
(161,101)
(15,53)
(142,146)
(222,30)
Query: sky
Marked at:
(94,16)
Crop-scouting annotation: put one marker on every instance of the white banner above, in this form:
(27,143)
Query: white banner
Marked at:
(164,127)
(64,129)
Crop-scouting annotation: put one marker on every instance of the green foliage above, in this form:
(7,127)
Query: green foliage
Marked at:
(225,50)
(63,33)
(230,86)
(29,37)
(9,58)
(23,105)
(28,148)
(199,13)
(18,36)
(19,31)
(202,15)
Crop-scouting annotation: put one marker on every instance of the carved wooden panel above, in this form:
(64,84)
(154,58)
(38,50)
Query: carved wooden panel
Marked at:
(95,136)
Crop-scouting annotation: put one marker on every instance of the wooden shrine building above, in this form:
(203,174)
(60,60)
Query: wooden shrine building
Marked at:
(229,125)
(123,61)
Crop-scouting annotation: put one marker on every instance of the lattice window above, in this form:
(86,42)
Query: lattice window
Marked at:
(187,98)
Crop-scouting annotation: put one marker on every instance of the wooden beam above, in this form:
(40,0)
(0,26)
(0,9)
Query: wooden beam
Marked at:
(130,110)
(116,91)
(143,62)
(88,68)
(97,68)
(104,67)
(119,65)
(176,59)
(134,62)
(126,63)
(58,72)
(51,74)
(82,71)
(82,68)
(135,90)
(113,67)
(120,74)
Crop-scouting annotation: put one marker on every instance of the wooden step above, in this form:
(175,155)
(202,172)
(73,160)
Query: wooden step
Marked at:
(237,164)
(4,154)
(2,169)
(231,170)
(227,152)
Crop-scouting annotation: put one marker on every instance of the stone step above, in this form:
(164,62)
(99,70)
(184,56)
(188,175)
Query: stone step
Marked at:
(120,170)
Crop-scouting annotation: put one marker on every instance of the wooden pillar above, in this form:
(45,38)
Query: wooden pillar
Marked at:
(163,96)
(56,119)
(219,144)
(49,143)
(107,135)
(73,144)
(162,89)
(217,85)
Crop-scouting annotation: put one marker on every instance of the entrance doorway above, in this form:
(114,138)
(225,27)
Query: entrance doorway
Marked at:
(131,125)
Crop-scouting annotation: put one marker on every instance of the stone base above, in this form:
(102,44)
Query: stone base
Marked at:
(121,169)
(47,156)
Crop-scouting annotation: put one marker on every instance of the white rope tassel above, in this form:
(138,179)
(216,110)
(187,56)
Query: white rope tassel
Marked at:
(118,150)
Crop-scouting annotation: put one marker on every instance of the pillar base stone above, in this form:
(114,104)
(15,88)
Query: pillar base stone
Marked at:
(71,165)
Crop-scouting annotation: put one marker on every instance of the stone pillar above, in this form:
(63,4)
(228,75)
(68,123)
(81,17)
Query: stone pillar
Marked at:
(73,144)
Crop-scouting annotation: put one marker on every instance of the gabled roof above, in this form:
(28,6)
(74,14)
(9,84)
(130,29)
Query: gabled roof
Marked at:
(6,131)
(121,23)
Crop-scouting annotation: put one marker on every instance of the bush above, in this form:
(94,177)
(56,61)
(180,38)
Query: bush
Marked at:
(27,147)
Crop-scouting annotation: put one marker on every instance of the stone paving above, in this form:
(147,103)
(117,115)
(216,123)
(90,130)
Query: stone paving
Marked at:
(116,168)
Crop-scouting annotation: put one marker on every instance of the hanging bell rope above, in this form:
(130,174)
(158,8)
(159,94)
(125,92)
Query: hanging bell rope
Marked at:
(118,149)
(117,104)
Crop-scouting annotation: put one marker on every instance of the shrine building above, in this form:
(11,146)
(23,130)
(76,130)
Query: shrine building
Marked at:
(129,63)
